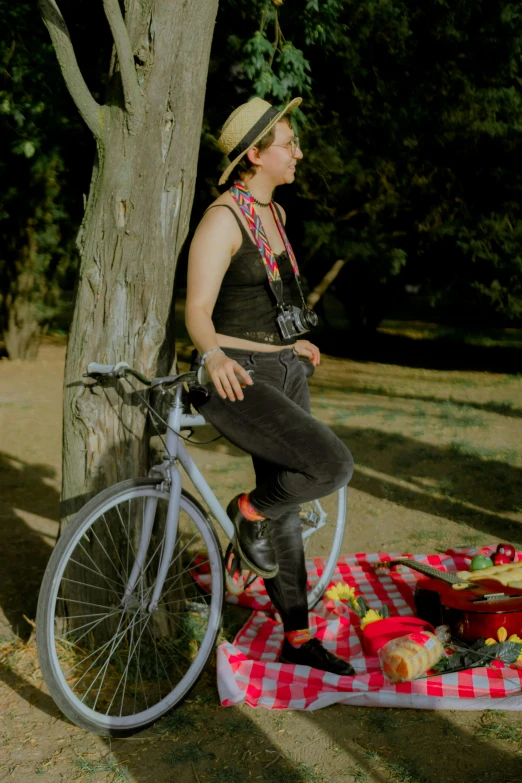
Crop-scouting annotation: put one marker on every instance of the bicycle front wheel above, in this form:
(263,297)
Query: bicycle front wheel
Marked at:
(111,664)
(323,523)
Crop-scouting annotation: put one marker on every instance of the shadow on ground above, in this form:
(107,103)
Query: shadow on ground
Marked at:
(417,746)
(24,553)
(502,408)
(435,354)
(443,480)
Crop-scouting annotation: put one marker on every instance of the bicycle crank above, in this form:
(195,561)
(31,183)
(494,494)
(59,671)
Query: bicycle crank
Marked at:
(237,578)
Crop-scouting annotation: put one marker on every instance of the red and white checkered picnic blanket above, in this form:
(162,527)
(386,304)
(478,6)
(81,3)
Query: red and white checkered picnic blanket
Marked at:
(249,672)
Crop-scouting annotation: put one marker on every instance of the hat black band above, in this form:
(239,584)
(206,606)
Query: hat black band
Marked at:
(247,140)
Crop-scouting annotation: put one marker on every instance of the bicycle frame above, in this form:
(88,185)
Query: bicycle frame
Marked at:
(175,452)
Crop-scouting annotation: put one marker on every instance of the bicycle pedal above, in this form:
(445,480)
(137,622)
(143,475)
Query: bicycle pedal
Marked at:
(237,577)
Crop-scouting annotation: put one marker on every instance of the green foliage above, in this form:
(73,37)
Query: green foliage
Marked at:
(411,127)
(36,260)
(412,133)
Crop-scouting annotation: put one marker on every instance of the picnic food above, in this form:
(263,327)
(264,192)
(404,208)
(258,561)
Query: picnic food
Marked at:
(507,549)
(508,574)
(410,656)
(499,558)
(480,562)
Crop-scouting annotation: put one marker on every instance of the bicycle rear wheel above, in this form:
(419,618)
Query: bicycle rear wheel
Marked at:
(114,667)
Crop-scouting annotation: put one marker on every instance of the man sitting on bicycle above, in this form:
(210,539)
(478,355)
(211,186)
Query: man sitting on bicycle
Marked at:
(245,312)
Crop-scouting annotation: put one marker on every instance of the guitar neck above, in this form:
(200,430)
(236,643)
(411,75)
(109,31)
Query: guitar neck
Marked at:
(428,570)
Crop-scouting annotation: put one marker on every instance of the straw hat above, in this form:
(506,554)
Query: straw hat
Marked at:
(245,126)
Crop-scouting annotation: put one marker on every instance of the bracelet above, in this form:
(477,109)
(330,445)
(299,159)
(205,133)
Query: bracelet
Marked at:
(202,360)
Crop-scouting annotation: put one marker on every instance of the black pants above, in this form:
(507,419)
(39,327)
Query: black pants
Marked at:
(296,459)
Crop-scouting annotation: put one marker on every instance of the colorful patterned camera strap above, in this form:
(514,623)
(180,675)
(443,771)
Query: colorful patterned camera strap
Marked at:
(245,202)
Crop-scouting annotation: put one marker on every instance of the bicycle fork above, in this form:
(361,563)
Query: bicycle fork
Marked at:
(169,468)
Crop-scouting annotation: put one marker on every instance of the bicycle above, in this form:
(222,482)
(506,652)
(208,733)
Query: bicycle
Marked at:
(131,601)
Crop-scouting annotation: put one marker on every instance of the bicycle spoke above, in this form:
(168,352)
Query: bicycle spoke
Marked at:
(136,678)
(185,568)
(192,585)
(83,603)
(161,661)
(109,558)
(106,664)
(179,576)
(86,584)
(85,625)
(116,549)
(131,652)
(127,535)
(101,649)
(185,634)
(82,565)
(178,601)
(94,563)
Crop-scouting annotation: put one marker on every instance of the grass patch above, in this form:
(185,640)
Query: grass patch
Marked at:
(369,410)
(228,775)
(234,618)
(282,775)
(118,772)
(403,771)
(237,724)
(176,722)
(466,416)
(495,726)
(381,720)
(303,773)
(471,539)
(358,774)
(207,696)
(462,448)
(447,487)
(308,774)
(421,536)
(184,753)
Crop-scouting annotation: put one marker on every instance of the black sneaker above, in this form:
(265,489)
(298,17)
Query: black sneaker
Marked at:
(313,654)
(253,542)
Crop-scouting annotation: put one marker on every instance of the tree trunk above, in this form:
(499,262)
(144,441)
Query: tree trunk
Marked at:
(23,293)
(135,222)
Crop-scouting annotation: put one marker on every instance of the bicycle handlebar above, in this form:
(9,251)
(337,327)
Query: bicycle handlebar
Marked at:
(93,368)
(121,369)
(198,378)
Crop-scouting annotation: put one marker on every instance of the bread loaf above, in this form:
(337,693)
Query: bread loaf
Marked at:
(410,656)
(508,574)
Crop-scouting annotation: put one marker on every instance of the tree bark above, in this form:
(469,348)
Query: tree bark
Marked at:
(321,288)
(135,222)
(22,285)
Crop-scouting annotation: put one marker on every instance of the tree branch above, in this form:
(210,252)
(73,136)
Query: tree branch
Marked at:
(89,109)
(119,32)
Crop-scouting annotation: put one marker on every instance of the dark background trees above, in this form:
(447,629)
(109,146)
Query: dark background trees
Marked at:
(45,168)
(411,126)
(413,148)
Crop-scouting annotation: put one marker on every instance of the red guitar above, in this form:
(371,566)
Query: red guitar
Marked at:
(472,610)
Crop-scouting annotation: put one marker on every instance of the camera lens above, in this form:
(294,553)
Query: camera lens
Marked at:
(309,317)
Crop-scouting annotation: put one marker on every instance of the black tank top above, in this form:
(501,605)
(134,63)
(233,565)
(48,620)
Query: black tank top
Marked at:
(245,306)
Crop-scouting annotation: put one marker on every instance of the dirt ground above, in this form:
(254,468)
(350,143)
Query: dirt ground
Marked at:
(438,457)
